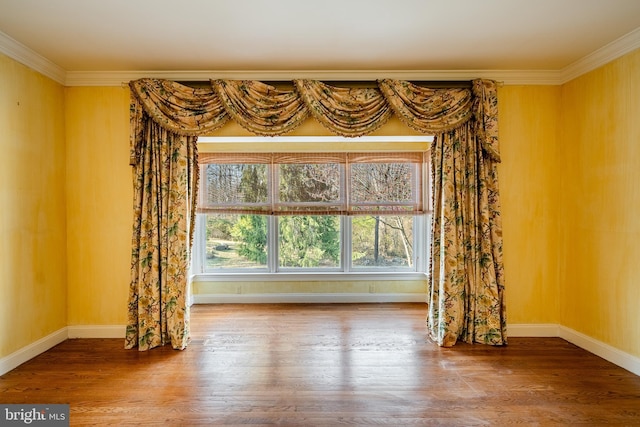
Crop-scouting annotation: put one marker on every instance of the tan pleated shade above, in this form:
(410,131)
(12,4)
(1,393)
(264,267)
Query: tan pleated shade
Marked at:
(380,183)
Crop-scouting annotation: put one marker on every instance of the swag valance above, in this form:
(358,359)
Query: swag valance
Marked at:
(351,112)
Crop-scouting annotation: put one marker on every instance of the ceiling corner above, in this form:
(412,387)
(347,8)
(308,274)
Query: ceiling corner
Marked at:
(22,54)
(617,48)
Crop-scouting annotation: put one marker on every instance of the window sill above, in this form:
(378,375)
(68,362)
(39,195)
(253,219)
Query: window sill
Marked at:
(310,277)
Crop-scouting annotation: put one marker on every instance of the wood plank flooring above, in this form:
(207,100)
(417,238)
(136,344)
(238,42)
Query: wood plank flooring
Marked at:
(326,365)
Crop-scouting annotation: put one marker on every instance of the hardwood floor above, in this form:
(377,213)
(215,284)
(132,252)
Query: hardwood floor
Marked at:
(326,365)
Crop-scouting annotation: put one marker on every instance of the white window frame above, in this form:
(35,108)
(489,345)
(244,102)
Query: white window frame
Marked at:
(345,272)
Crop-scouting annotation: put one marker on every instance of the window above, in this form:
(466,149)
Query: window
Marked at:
(335,213)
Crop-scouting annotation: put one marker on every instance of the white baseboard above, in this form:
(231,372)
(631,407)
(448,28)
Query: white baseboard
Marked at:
(27,353)
(340,297)
(618,357)
(97,331)
(533,330)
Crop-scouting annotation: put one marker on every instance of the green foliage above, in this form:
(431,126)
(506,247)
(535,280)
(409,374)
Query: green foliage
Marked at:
(309,241)
(219,227)
(251,232)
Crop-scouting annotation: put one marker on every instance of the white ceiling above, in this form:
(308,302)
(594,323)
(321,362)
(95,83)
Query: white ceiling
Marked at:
(302,36)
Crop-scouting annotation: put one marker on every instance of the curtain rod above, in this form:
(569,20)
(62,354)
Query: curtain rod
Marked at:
(288,84)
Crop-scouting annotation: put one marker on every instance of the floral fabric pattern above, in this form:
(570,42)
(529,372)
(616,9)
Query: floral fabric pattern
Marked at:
(466,284)
(485,110)
(178,108)
(345,111)
(428,110)
(259,107)
(165,185)
(466,289)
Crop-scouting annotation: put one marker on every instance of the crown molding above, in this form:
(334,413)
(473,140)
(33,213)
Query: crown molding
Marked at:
(614,50)
(119,78)
(602,56)
(22,54)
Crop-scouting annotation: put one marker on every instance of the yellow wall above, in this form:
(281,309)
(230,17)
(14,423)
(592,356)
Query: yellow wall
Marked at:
(600,210)
(99,200)
(33,293)
(529,120)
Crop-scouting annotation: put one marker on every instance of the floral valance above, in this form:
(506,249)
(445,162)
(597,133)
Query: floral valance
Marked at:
(265,110)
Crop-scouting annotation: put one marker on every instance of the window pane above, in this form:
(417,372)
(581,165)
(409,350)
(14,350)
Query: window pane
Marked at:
(382,241)
(234,184)
(382,184)
(309,182)
(236,241)
(309,241)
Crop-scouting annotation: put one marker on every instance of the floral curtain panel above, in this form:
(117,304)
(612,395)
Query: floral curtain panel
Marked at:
(466,286)
(466,289)
(466,281)
(164,182)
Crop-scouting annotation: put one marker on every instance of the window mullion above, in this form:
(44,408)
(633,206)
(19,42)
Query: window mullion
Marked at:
(272,243)
(418,242)
(345,220)
(345,242)
(272,222)
(346,185)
